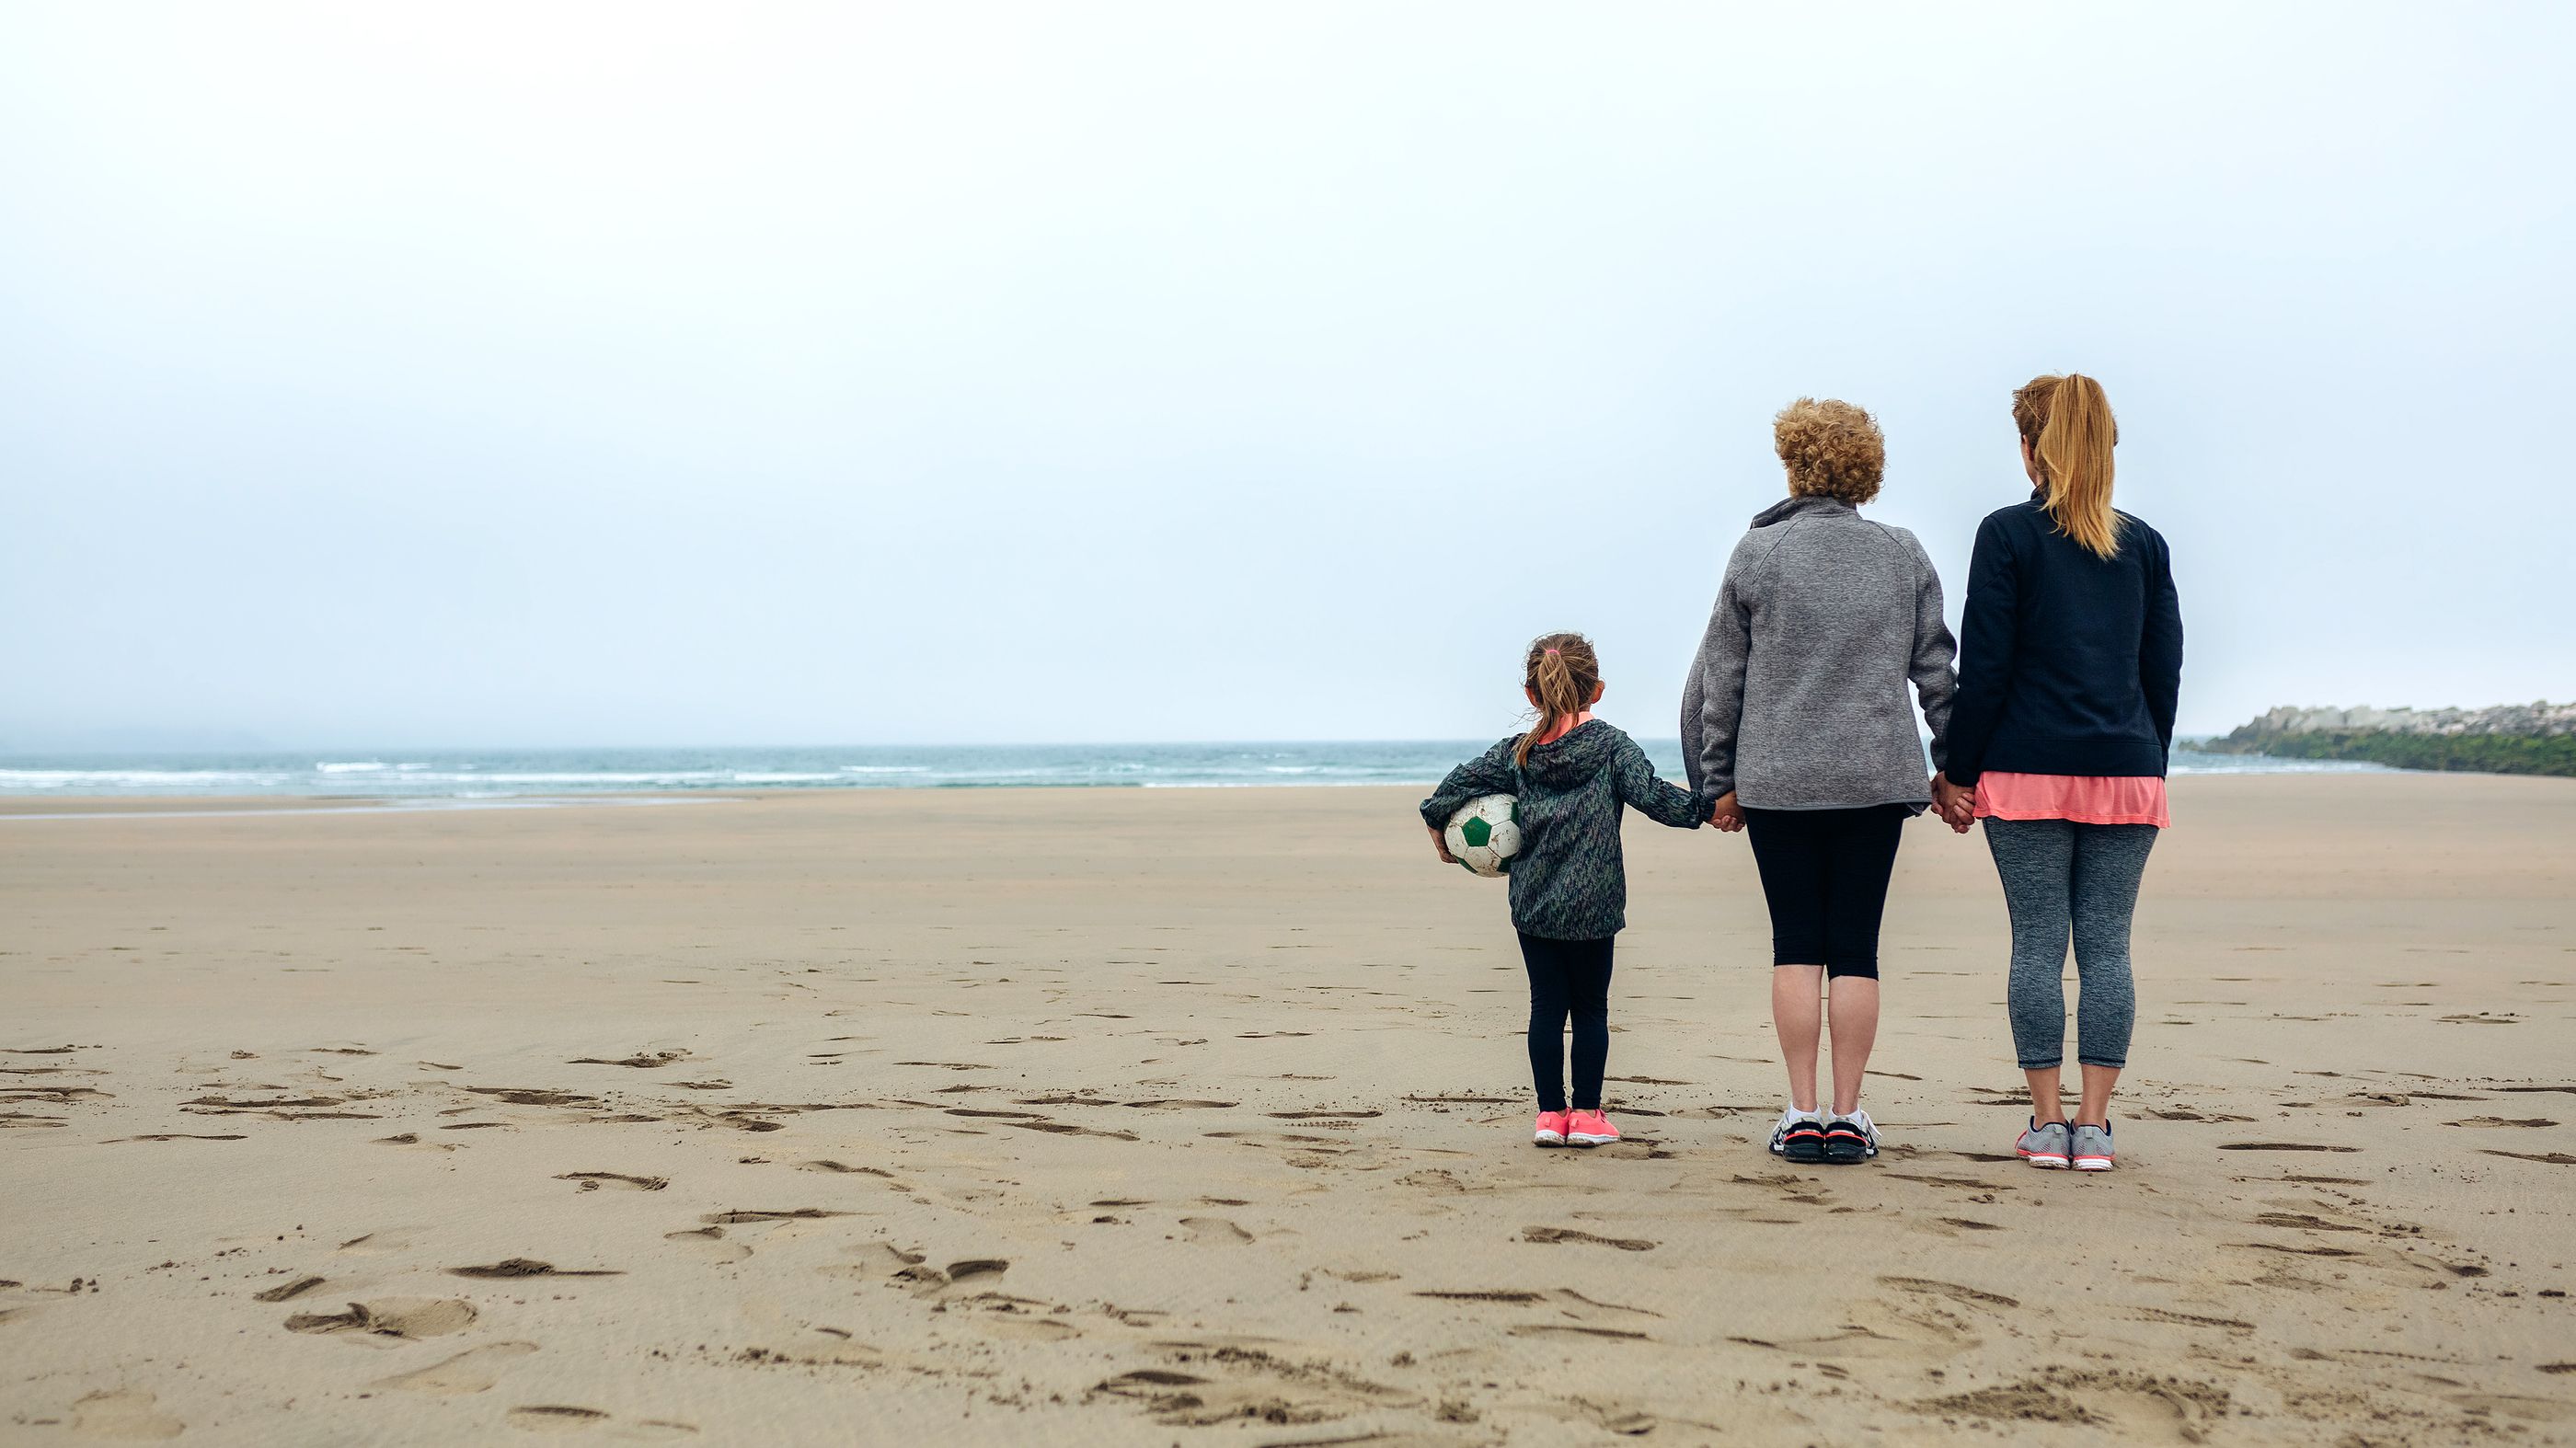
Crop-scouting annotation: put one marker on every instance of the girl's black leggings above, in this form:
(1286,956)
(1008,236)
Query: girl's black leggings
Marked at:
(1568,978)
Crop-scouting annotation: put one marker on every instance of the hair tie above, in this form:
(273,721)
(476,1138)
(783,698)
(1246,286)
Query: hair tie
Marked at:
(1551,651)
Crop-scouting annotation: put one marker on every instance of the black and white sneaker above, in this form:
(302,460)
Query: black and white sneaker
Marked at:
(1850,1139)
(1799,1136)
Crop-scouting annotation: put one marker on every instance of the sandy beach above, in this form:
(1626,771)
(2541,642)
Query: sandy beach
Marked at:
(1199,1117)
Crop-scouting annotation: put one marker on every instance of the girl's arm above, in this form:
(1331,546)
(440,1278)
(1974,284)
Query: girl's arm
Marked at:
(1488,773)
(1653,796)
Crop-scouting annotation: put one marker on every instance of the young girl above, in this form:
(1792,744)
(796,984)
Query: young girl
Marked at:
(1569,892)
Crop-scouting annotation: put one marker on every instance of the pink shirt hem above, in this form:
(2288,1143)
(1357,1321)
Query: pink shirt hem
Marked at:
(2088,799)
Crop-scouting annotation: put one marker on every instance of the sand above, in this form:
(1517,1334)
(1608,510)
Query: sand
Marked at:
(1199,1117)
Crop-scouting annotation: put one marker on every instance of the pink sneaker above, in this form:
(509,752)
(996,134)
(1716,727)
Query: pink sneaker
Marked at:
(1551,1129)
(1590,1128)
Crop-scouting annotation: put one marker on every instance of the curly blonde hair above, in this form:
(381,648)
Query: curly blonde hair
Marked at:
(1831,448)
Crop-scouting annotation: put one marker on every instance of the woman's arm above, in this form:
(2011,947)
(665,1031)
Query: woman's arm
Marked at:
(1936,679)
(1652,795)
(1987,625)
(2160,647)
(1713,704)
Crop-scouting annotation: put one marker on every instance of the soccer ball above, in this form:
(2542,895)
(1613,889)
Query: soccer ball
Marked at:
(1485,833)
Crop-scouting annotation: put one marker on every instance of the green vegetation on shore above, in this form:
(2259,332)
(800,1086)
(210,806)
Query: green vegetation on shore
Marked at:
(2476,753)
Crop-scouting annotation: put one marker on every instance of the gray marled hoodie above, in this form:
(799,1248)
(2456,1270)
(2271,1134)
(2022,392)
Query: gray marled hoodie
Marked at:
(1569,882)
(1797,700)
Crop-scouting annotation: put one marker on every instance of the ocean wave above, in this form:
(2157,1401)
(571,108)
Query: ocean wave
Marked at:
(539,773)
(136,778)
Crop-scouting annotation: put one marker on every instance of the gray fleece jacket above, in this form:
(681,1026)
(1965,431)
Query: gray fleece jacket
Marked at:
(1797,699)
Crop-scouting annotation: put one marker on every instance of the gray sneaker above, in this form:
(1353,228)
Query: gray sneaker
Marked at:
(2092,1149)
(2046,1146)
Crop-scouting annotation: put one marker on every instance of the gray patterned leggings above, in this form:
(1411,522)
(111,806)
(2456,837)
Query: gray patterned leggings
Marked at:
(2063,879)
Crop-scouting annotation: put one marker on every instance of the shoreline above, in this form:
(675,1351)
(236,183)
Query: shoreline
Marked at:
(37,806)
(550,774)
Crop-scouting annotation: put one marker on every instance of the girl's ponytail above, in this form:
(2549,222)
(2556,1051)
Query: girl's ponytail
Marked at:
(2074,450)
(1562,671)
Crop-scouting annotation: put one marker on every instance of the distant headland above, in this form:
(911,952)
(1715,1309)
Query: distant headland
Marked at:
(2537,738)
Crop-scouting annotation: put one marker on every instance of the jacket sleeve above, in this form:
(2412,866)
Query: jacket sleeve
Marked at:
(1936,679)
(1487,773)
(1987,622)
(1653,796)
(2160,648)
(1713,703)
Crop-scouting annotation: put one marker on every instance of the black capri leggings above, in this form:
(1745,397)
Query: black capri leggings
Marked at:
(1824,872)
(1568,978)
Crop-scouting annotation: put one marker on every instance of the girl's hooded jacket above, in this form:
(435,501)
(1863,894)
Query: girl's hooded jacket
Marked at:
(1570,882)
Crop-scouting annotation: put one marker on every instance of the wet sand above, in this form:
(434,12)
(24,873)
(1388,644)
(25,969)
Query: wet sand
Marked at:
(1199,1117)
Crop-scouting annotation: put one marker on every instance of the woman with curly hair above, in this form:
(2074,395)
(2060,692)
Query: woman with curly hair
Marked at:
(2067,689)
(1796,719)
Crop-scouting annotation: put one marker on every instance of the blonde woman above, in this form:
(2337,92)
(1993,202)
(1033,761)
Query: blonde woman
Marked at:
(2070,670)
(1796,720)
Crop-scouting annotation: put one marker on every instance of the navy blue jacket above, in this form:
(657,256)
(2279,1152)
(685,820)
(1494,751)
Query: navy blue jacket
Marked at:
(2068,663)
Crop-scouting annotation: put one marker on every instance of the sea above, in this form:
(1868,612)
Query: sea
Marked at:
(529,775)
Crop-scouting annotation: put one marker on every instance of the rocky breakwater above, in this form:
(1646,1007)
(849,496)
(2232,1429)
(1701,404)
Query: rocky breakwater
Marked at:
(2537,738)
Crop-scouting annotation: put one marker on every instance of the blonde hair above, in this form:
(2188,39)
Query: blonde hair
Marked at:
(2067,423)
(1831,448)
(1562,671)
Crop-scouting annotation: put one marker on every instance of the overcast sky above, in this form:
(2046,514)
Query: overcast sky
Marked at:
(560,374)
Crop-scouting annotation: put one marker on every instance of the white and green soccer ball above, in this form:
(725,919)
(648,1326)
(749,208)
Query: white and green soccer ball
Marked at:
(1485,833)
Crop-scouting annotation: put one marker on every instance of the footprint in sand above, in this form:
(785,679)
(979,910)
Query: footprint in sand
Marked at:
(534,1096)
(974,1274)
(883,1258)
(390,1317)
(287,1291)
(375,1244)
(707,1244)
(555,1418)
(530,1267)
(2530,1410)
(474,1370)
(125,1413)
(1550,1236)
(591,1181)
(641,1060)
(1952,1290)
(1215,1230)
(2138,1408)
(1567,1303)
(845,1169)
(1235,1384)
(1573,1329)
(2189,1319)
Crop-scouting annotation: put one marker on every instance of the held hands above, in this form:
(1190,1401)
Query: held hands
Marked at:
(1726,814)
(1957,807)
(1440,845)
